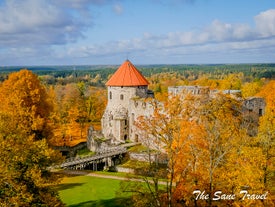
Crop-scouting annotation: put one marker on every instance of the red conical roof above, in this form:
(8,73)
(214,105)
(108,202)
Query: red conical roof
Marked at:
(127,75)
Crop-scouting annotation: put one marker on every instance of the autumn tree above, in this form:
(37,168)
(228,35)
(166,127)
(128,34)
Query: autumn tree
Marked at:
(207,149)
(76,106)
(221,121)
(231,81)
(25,156)
(218,155)
(162,131)
(266,135)
(250,89)
(96,102)
(25,99)
(69,113)
(150,193)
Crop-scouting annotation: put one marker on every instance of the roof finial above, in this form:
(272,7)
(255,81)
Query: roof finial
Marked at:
(127,55)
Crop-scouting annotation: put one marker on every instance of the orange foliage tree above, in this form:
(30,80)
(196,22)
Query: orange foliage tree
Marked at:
(25,99)
(208,150)
(266,135)
(76,106)
(25,156)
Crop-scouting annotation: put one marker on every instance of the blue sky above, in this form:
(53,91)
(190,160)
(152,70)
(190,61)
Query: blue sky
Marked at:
(73,32)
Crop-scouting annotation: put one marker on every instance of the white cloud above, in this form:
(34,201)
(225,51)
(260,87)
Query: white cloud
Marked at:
(216,37)
(217,32)
(265,23)
(33,27)
(25,55)
(24,16)
(33,22)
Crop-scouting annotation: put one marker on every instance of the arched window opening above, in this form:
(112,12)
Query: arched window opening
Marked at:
(260,112)
(121,97)
(110,94)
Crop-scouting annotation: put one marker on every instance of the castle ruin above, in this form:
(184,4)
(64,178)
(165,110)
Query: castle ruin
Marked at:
(128,96)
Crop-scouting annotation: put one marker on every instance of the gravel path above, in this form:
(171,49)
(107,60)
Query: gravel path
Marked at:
(76,172)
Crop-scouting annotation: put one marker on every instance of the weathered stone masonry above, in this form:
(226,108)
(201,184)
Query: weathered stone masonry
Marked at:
(128,97)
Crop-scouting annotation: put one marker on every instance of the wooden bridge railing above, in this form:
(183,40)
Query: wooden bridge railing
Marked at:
(111,152)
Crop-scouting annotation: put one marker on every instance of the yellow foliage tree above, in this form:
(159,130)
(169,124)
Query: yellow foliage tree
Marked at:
(25,156)
(266,136)
(76,106)
(208,150)
(231,82)
(251,89)
(25,99)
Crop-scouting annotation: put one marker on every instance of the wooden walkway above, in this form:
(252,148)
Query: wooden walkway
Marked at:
(81,162)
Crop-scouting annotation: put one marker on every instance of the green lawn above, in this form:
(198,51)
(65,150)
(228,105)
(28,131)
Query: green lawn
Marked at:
(89,191)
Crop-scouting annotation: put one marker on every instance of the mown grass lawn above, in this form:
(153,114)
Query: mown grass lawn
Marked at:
(90,191)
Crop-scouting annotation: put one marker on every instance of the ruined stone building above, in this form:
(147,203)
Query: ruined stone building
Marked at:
(127,95)
(252,107)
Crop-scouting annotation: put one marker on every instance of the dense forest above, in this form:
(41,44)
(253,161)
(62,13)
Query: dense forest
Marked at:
(57,74)
(53,106)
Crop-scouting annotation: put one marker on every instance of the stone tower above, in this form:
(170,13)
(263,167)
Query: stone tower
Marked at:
(126,88)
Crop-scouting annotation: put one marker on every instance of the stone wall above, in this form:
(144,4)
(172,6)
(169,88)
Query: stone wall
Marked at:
(183,90)
(124,169)
(125,105)
(253,109)
(255,105)
(144,157)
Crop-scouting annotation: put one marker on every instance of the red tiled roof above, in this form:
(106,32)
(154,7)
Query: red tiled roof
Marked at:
(127,75)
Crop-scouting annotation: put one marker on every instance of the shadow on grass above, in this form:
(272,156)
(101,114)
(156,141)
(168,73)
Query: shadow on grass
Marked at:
(114,202)
(67,186)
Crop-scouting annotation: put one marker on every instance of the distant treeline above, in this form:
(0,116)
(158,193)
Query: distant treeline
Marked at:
(104,71)
(214,70)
